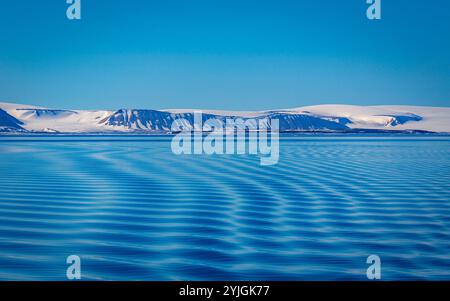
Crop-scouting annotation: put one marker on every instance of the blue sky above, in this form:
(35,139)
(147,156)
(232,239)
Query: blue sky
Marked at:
(242,55)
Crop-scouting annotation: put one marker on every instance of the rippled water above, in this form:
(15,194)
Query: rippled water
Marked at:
(132,210)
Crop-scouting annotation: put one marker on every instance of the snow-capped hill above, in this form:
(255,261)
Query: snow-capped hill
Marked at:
(39,119)
(433,119)
(332,118)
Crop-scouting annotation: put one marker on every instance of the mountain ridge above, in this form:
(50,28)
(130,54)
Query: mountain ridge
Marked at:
(320,118)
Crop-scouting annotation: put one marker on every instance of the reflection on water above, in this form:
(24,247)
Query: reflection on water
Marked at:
(132,210)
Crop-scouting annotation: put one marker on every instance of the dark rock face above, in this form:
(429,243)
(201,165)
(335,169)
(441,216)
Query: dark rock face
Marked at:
(304,122)
(48,113)
(158,120)
(9,123)
(139,119)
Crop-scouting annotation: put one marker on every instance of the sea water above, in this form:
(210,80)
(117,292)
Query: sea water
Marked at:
(133,210)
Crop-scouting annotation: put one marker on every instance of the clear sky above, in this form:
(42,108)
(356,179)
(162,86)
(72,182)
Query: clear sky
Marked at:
(224,54)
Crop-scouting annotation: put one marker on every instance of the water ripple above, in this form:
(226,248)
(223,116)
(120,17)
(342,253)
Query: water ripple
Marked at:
(132,210)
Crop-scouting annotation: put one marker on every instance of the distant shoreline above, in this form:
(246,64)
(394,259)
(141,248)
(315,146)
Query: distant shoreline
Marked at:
(169,134)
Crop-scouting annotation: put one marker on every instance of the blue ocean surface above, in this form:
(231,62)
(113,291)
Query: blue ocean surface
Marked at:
(133,210)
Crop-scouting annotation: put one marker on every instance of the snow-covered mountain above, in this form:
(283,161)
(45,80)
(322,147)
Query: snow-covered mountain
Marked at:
(332,118)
